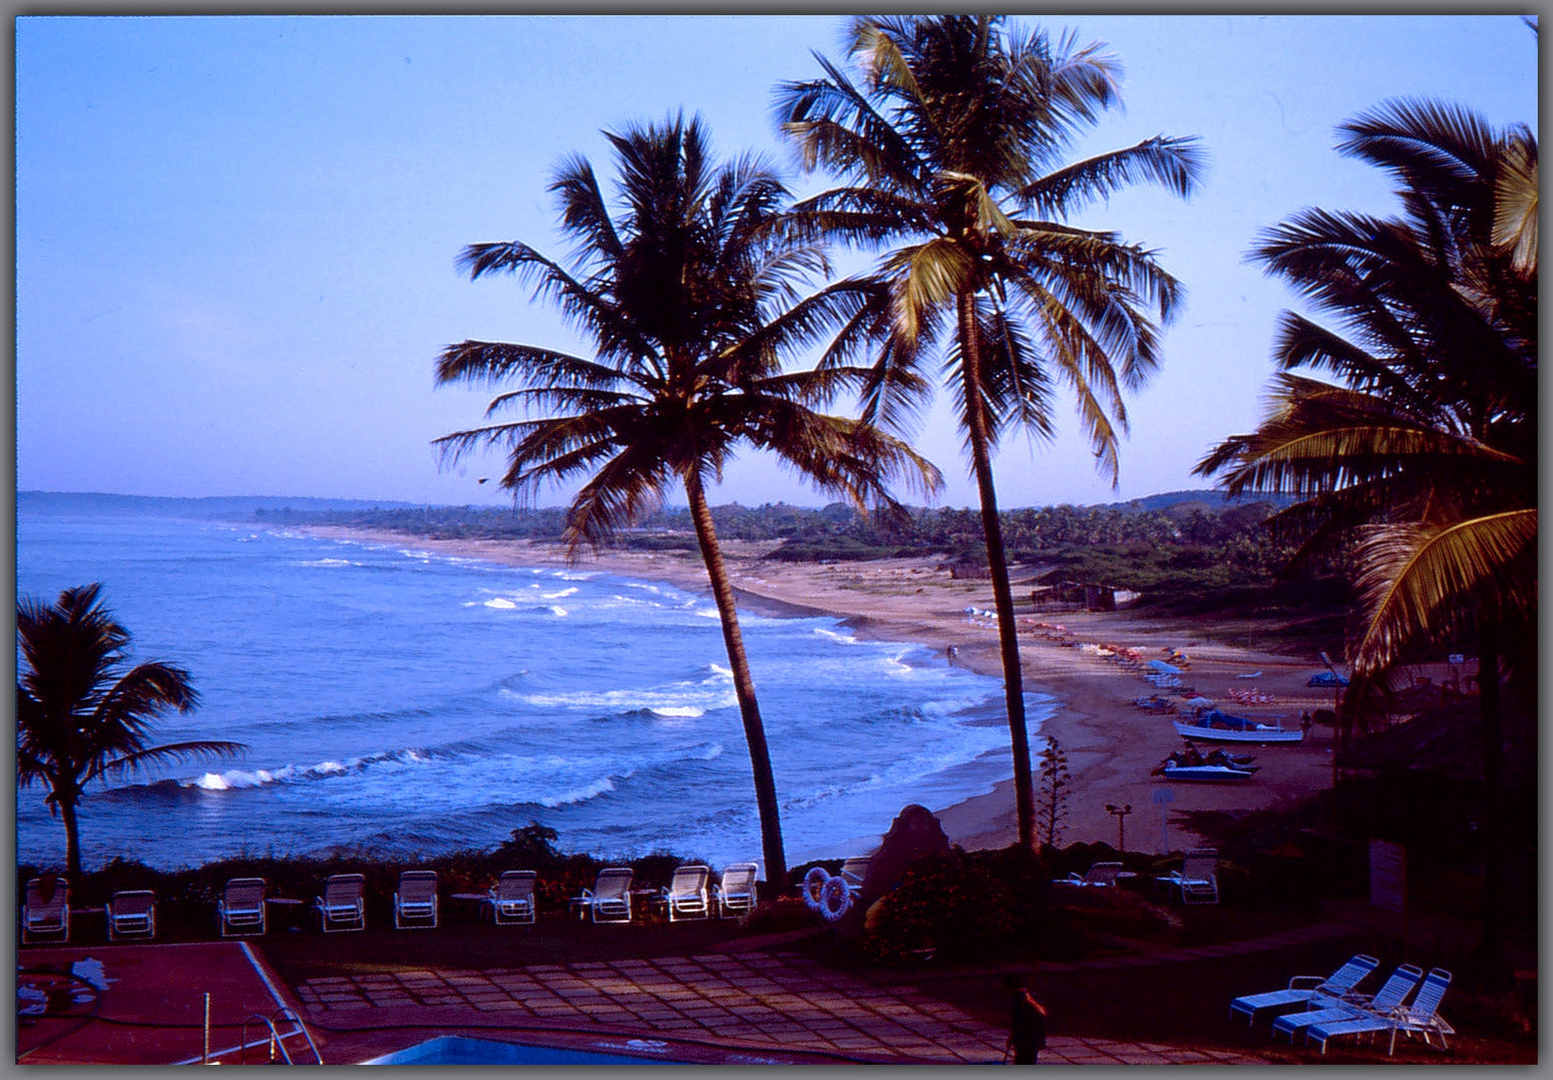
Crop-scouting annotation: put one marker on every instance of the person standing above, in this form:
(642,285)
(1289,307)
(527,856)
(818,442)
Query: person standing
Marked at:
(1027,1024)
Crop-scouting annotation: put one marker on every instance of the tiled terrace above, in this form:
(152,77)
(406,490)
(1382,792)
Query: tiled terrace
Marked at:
(780,1001)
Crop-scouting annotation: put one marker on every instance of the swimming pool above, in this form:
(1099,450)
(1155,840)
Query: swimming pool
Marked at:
(461,1050)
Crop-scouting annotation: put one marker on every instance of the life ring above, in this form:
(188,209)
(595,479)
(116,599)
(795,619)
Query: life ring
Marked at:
(835,899)
(814,886)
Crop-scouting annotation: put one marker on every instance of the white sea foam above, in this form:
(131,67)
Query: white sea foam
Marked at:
(564,592)
(680,699)
(835,635)
(558,611)
(577,795)
(500,603)
(328,562)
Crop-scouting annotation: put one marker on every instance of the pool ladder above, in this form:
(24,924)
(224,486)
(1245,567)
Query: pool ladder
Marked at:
(277,1040)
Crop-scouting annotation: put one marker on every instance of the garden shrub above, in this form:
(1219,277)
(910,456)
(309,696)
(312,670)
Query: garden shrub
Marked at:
(950,904)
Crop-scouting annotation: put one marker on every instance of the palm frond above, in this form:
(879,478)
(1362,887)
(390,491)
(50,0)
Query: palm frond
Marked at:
(206,749)
(1174,163)
(1416,576)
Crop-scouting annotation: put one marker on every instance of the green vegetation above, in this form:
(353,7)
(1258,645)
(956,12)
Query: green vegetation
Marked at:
(1192,555)
(1055,781)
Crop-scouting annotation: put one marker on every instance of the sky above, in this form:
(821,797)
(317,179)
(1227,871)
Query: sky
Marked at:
(235,236)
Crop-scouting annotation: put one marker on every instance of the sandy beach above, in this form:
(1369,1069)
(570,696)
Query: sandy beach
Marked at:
(1110,744)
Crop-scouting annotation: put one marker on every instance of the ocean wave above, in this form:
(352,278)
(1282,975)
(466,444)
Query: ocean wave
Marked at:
(328,562)
(835,635)
(238,779)
(558,611)
(500,603)
(582,794)
(680,699)
(563,593)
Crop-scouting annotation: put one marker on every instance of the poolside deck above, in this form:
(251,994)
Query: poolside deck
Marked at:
(741,1008)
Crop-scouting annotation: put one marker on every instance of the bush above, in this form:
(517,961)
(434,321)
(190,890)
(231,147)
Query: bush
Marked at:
(949,904)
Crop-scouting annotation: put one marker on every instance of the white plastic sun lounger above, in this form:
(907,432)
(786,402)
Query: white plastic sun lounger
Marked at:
(343,906)
(1422,1018)
(131,913)
(1303,989)
(512,898)
(1197,880)
(240,910)
(415,904)
(1101,873)
(610,898)
(854,872)
(46,916)
(736,891)
(686,894)
(1388,997)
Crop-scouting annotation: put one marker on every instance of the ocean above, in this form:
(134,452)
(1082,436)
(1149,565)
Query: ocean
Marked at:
(401,702)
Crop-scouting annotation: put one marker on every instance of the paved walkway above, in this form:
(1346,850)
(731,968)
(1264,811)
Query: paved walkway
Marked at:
(777,1001)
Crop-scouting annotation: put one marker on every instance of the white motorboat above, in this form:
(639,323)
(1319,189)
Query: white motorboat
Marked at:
(1216,726)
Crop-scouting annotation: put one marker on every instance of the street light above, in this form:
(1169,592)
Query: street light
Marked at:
(1121,813)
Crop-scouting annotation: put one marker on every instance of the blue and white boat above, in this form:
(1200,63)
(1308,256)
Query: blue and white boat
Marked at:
(1216,726)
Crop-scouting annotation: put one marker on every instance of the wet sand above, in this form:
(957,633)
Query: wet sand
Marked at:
(1110,744)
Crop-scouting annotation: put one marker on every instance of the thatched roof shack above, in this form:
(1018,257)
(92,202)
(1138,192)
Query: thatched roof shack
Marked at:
(1052,592)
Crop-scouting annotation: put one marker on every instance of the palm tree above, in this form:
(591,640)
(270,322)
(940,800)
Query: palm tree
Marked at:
(951,153)
(691,301)
(1425,445)
(78,718)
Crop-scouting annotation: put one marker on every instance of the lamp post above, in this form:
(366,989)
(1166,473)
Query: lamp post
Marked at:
(1121,813)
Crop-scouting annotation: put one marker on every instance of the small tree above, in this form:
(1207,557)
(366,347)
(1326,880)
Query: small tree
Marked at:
(1052,802)
(79,715)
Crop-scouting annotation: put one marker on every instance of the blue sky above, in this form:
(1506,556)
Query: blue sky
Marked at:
(235,236)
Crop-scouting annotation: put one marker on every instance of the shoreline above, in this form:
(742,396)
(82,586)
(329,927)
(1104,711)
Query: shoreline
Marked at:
(1110,745)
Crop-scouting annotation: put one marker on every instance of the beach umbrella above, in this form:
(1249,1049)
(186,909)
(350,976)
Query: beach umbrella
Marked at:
(1161,666)
(1200,703)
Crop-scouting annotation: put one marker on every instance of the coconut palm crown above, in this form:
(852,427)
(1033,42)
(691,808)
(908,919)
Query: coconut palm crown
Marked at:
(79,717)
(1422,432)
(951,147)
(1421,439)
(692,299)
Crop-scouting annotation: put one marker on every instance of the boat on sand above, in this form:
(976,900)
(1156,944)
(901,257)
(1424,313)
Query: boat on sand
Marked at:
(1216,726)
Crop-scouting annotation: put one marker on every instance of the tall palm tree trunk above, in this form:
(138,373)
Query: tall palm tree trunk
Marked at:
(67,814)
(743,685)
(1493,969)
(997,566)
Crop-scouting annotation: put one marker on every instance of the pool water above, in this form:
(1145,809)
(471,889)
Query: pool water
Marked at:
(460,1050)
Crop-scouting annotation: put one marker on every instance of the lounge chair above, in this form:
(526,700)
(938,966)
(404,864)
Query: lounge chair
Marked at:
(1421,1017)
(1302,989)
(1387,998)
(1197,880)
(343,906)
(132,912)
(46,916)
(512,898)
(854,872)
(686,894)
(610,898)
(736,891)
(415,904)
(241,907)
(1101,873)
